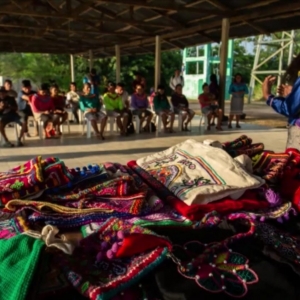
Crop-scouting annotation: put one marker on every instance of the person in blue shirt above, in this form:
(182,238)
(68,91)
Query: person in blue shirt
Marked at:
(238,89)
(287,100)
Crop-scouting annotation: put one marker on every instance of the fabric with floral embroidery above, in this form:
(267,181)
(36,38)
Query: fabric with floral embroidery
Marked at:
(199,174)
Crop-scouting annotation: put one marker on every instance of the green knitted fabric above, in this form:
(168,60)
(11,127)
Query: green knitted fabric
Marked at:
(19,257)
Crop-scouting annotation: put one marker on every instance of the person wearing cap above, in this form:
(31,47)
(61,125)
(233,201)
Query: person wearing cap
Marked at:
(8,87)
(8,114)
(43,109)
(162,108)
(23,101)
(175,80)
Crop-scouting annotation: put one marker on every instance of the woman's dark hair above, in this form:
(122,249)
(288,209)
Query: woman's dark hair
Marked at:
(292,71)
(236,75)
(204,86)
(8,81)
(73,83)
(161,87)
(26,83)
(87,84)
(213,78)
(178,85)
(121,84)
(54,86)
(44,86)
(111,84)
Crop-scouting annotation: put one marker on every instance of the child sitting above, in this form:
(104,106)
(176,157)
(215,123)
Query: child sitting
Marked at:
(210,107)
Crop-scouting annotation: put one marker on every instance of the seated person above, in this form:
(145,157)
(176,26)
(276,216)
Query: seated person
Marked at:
(60,104)
(120,90)
(90,105)
(73,100)
(209,106)
(23,101)
(181,106)
(10,91)
(162,108)
(140,105)
(43,110)
(8,114)
(115,108)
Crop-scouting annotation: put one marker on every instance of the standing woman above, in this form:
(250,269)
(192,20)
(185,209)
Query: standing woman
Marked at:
(287,103)
(238,89)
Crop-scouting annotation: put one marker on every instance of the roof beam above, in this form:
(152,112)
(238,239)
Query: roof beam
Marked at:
(169,5)
(42,15)
(75,31)
(242,17)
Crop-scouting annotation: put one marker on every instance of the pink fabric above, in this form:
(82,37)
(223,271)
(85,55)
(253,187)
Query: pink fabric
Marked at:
(41,103)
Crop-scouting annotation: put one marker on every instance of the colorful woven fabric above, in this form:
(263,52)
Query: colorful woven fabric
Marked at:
(80,176)
(279,213)
(248,202)
(19,258)
(270,166)
(102,279)
(12,227)
(243,145)
(21,181)
(283,243)
(215,267)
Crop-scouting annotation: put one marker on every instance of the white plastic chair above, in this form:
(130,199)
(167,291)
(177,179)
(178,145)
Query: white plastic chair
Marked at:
(16,133)
(180,122)
(41,127)
(203,117)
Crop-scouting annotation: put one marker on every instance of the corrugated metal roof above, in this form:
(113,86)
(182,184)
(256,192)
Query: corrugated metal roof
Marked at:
(69,26)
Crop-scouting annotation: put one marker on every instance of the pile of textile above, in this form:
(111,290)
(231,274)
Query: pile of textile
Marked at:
(207,219)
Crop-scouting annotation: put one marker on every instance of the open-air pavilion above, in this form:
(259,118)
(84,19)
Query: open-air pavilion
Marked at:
(112,28)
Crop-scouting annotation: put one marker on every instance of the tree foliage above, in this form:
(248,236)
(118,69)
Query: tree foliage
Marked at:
(56,68)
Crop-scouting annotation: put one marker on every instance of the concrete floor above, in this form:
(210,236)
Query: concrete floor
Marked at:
(77,150)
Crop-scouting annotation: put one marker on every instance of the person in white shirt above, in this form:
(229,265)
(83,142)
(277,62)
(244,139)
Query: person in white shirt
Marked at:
(175,80)
(73,100)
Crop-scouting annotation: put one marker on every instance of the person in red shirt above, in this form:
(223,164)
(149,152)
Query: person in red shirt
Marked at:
(43,109)
(209,106)
(59,102)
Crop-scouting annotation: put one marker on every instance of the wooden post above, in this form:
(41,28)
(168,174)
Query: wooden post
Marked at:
(91,60)
(118,64)
(157,61)
(223,61)
(72,67)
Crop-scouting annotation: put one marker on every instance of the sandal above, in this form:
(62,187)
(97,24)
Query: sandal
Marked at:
(238,126)
(8,145)
(19,144)
(219,128)
(229,126)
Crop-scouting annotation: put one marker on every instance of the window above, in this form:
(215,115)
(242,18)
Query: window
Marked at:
(195,68)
